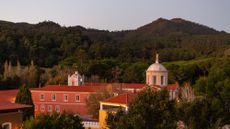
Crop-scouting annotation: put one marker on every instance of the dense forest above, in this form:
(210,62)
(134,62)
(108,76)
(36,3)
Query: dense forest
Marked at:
(121,56)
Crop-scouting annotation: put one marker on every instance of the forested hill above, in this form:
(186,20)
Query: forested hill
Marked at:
(48,44)
(176,26)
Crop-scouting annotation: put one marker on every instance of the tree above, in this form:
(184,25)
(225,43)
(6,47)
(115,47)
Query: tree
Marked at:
(118,120)
(54,121)
(93,101)
(211,108)
(18,69)
(32,79)
(24,97)
(201,114)
(149,110)
(135,72)
(6,74)
(186,93)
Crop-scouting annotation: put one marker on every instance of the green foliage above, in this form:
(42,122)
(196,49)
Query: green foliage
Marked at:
(54,121)
(135,73)
(10,83)
(211,108)
(92,51)
(118,120)
(93,101)
(24,97)
(149,110)
(189,71)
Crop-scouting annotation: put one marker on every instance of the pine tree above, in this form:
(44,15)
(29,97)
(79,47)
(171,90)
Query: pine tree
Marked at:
(5,69)
(32,75)
(10,70)
(24,97)
(18,69)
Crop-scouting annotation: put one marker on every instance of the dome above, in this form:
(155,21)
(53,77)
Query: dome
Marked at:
(157,67)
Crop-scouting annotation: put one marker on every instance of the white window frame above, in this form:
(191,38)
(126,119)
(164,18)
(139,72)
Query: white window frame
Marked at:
(42,108)
(79,100)
(65,97)
(55,97)
(50,108)
(7,123)
(35,107)
(57,109)
(40,97)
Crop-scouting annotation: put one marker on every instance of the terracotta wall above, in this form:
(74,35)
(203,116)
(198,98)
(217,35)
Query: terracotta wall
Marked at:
(15,118)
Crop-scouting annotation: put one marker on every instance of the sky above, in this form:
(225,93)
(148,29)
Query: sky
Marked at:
(116,15)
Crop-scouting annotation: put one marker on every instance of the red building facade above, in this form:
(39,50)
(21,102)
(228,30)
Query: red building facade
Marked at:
(56,98)
(51,99)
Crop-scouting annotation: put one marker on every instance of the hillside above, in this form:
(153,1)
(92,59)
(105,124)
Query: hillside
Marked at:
(163,27)
(48,43)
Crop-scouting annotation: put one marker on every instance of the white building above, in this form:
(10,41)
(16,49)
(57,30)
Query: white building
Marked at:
(75,79)
(157,74)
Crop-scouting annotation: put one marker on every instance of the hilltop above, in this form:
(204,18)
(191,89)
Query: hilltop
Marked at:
(106,56)
(48,43)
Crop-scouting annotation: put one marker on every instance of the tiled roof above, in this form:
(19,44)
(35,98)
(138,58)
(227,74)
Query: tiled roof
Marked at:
(10,106)
(124,98)
(8,96)
(121,85)
(92,87)
(172,86)
(89,87)
(69,88)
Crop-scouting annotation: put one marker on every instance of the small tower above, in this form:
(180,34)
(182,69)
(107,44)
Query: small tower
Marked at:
(157,74)
(75,79)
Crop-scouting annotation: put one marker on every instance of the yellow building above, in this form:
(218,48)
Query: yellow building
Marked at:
(112,105)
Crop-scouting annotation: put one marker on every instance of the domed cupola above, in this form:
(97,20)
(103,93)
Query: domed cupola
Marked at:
(157,74)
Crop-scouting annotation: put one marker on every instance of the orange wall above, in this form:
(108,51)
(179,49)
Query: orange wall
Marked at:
(13,117)
(70,106)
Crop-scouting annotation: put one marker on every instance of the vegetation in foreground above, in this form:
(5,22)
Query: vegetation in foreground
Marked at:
(54,121)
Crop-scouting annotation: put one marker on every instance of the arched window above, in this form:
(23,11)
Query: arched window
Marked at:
(7,125)
(162,80)
(154,80)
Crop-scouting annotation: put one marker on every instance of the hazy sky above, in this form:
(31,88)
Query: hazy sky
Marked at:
(116,14)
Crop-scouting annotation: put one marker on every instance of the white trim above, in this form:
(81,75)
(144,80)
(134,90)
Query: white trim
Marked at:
(40,98)
(65,97)
(57,108)
(79,100)
(42,108)
(35,107)
(49,108)
(7,123)
(55,97)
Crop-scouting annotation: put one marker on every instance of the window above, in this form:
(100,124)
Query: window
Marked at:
(42,97)
(57,108)
(35,107)
(53,97)
(77,98)
(7,125)
(65,98)
(49,108)
(162,80)
(154,80)
(42,108)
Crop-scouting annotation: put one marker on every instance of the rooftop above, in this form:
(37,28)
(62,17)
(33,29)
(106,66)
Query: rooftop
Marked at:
(8,96)
(11,106)
(124,98)
(89,87)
